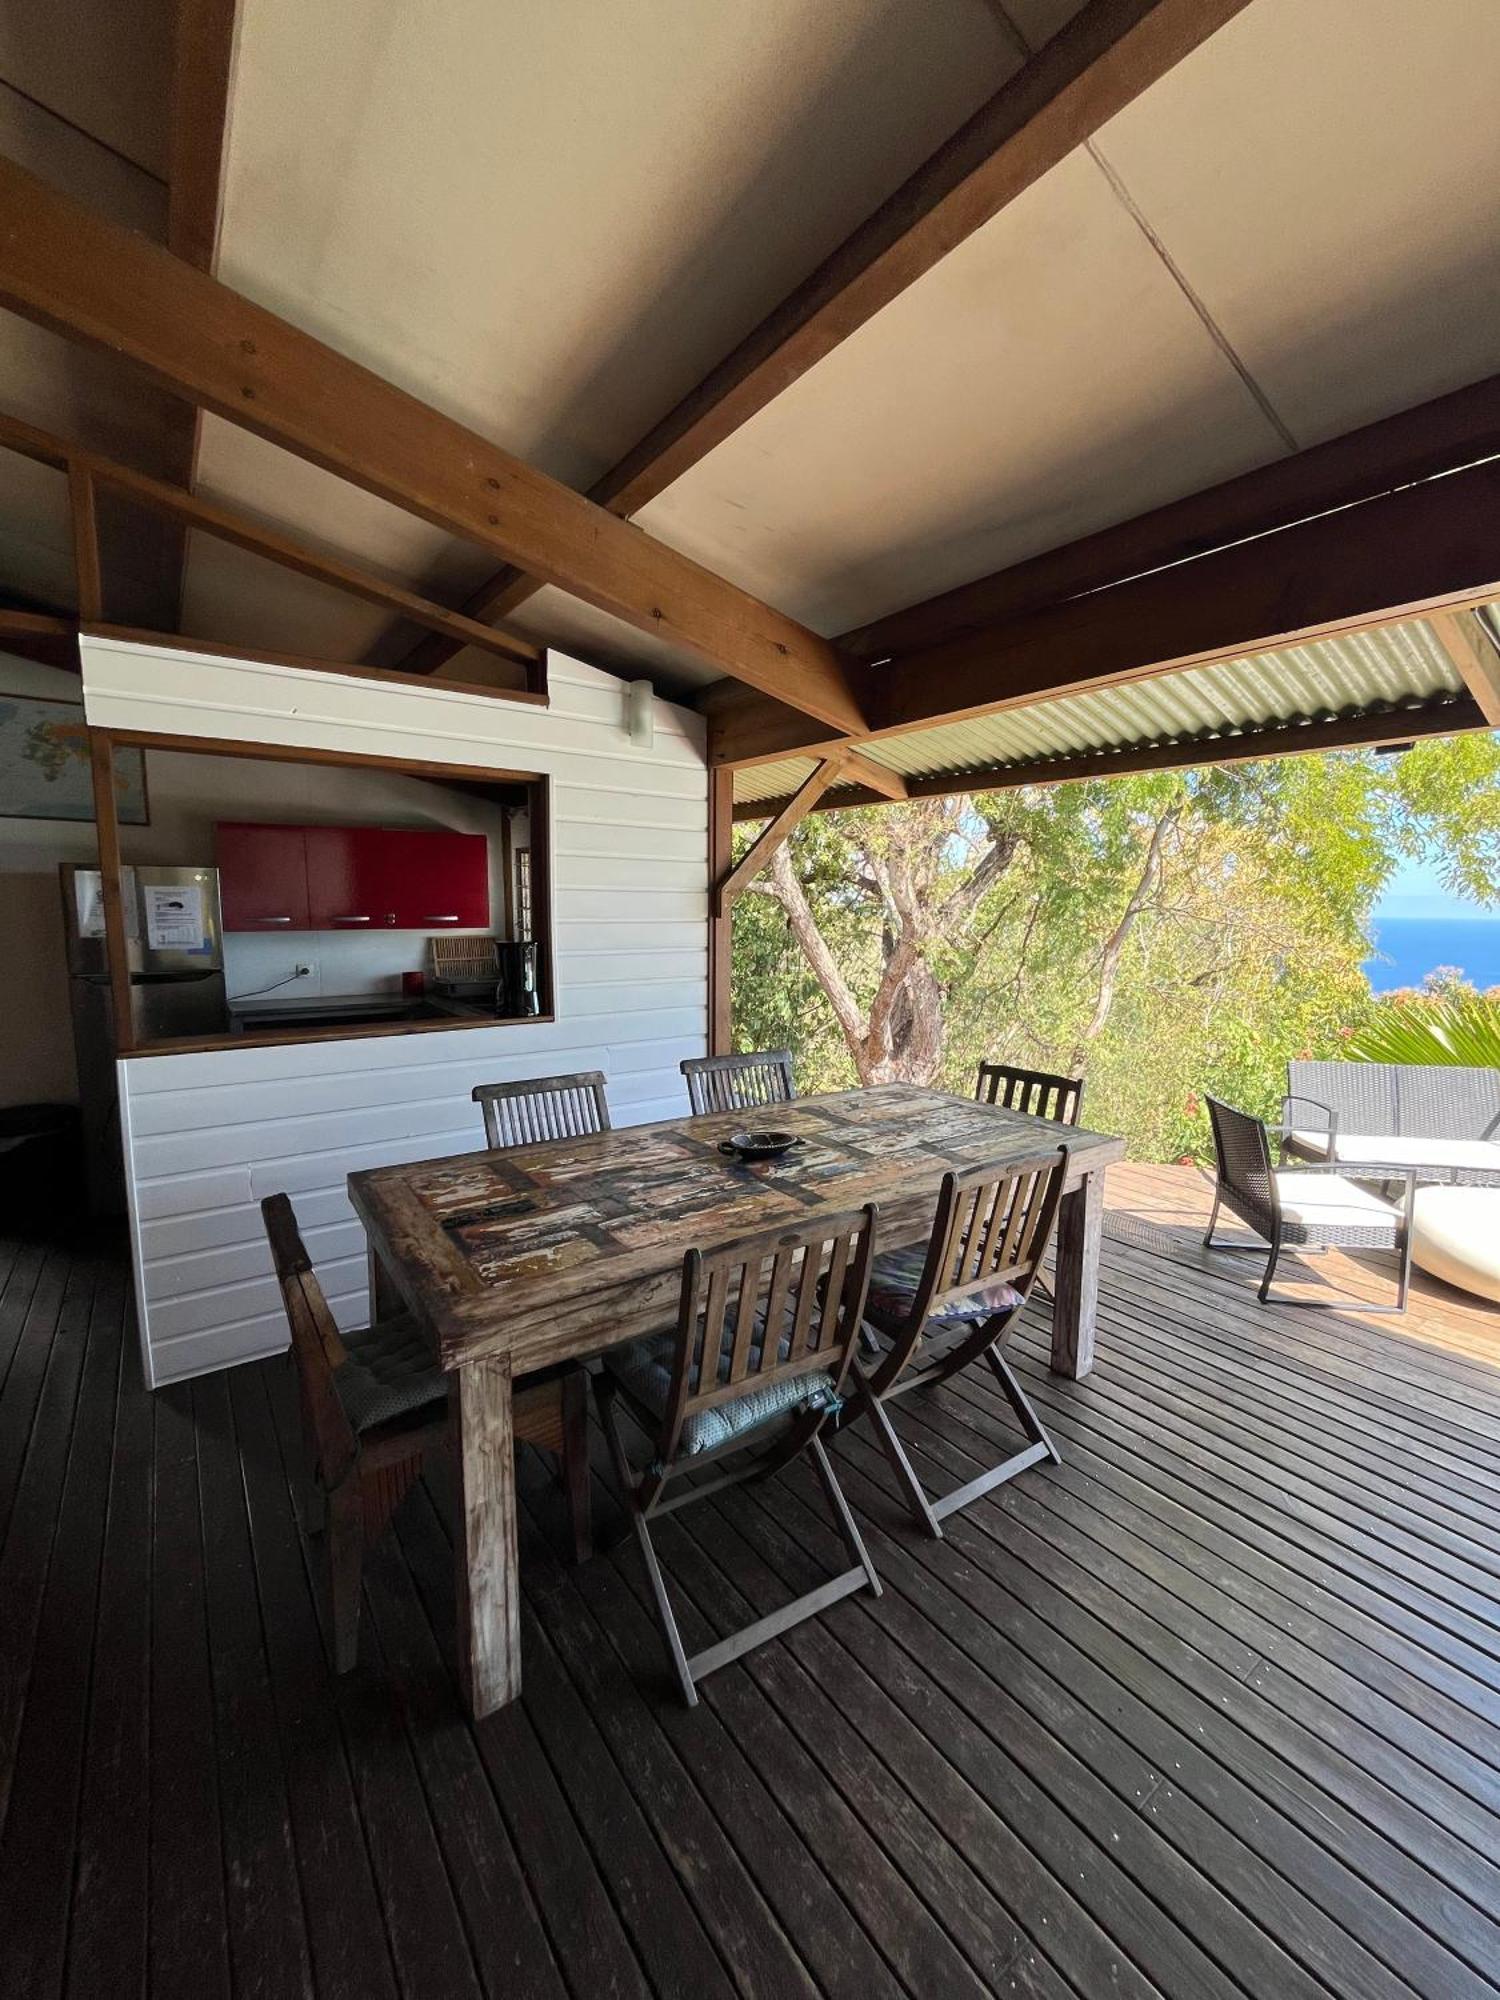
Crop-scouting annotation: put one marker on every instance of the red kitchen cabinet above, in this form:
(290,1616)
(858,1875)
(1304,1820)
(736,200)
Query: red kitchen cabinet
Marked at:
(348,885)
(262,877)
(436,880)
(342,878)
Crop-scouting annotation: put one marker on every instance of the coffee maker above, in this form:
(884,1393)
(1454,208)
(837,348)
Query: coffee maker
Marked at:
(517,994)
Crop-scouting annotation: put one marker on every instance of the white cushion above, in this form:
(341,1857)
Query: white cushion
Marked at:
(1456,1237)
(1357,1146)
(1328,1201)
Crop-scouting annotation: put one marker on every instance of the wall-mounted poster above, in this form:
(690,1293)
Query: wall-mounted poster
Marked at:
(44,764)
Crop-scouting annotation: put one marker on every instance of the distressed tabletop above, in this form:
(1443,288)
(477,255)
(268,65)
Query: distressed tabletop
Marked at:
(516,1260)
(550,1251)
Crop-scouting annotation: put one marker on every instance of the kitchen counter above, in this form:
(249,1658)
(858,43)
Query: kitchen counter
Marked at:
(347,1010)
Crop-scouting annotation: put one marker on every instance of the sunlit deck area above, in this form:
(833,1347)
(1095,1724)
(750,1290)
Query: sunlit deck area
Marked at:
(1207,1710)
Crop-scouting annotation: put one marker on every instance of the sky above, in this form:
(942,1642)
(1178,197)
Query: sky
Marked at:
(1415,891)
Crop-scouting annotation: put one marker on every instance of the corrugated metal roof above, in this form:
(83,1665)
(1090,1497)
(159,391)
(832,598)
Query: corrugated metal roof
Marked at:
(1387,667)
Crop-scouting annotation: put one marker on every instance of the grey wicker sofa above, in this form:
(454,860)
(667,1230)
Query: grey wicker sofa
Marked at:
(1442,1121)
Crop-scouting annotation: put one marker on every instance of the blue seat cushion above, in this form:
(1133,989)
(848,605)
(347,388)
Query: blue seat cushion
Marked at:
(390,1372)
(894,1280)
(644,1370)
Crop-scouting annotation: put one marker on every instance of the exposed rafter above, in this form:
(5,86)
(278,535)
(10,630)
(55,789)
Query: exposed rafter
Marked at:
(38,635)
(89,279)
(1102,60)
(202,66)
(1431,546)
(874,777)
(1246,746)
(89,470)
(1473,654)
(1433,438)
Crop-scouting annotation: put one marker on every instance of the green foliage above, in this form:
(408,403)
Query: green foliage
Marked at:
(1451,1026)
(1246,949)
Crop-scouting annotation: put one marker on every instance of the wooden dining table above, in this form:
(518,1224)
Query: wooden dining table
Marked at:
(515,1260)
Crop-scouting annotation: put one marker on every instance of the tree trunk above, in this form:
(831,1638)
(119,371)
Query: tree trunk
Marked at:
(1114,946)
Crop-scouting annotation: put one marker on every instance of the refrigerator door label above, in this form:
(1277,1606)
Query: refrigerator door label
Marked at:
(174,916)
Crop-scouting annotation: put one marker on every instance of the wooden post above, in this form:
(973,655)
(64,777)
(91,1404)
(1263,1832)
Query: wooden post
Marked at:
(488,1561)
(1075,1295)
(720,920)
(107,819)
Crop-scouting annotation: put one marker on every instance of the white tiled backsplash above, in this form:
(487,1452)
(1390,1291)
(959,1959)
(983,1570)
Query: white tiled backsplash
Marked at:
(341,962)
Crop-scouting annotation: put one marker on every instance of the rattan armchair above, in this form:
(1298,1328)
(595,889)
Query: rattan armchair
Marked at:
(1317,1205)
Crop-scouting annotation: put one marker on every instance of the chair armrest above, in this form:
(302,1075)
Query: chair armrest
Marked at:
(1361,1170)
(1327,1109)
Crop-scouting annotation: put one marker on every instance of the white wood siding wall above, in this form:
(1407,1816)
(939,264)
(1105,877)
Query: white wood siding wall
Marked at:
(208,1135)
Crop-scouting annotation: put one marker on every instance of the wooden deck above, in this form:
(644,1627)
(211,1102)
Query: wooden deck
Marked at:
(1209,1710)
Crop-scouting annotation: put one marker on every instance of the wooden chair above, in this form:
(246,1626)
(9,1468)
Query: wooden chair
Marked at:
(754,1369)
(739,1083)
(529,1113)
(374,1409)
(540,1108)
(1033,1091)
(1319,1205)
(934,1309)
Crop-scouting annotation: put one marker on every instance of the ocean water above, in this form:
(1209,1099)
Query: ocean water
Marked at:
(1408,948)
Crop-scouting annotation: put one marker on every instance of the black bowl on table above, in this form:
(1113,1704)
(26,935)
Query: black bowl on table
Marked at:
(759,1145)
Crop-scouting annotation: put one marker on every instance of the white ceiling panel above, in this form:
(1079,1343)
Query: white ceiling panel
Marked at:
(1046,378)
(1326,176)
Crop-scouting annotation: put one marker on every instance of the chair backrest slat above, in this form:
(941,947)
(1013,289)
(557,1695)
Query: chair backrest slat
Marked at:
(316,1347)
(738,1083)
(540,1108)
(774,1306)
(1036,1092)
(993,1225)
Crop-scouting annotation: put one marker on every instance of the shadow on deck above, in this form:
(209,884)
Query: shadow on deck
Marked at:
(1207,1710)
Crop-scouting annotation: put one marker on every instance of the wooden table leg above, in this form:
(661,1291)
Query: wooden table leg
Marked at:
(1080,1223)
(489,1586)
(385,1301)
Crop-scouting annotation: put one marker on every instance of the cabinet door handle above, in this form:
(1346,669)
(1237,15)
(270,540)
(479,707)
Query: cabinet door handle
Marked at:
(351,920)
(440,920)
(270,920)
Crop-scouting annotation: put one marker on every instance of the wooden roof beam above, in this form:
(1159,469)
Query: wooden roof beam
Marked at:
(88,471)
(1472,651)
(1102,60)
(92,281)
(203,40)
(1432,546)
(1297,739)
(1441,436)
(37,635)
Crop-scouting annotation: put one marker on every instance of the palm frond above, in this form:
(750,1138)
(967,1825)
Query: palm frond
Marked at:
(1459,1029)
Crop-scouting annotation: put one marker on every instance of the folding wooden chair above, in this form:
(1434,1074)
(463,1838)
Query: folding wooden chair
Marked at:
(1035,1091)
(932,1311)
(529,1113)
(540,1108)
(754,1369)
(738,1083)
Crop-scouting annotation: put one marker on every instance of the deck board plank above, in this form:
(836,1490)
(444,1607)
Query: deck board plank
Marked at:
(1212,1708)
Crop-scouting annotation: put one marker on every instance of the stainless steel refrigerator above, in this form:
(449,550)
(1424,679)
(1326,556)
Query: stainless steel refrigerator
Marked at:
(175,948)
